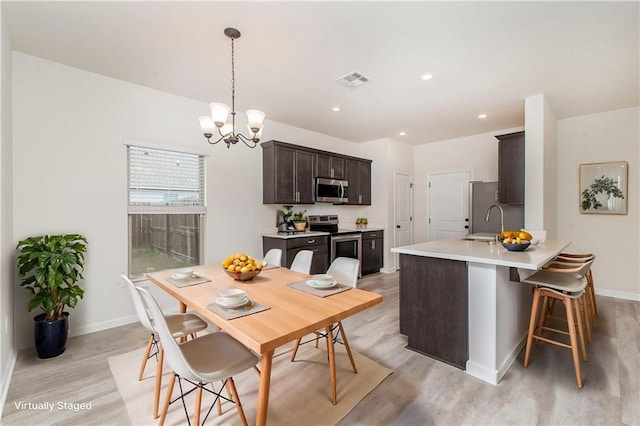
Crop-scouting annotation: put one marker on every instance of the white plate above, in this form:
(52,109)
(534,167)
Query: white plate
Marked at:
(321,284)
(239,304)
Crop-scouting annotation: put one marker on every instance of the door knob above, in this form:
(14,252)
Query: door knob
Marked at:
(398,226)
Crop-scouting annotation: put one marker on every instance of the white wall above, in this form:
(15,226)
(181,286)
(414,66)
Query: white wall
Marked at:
(7,344)
(478,153)
(69,170)
(608,136)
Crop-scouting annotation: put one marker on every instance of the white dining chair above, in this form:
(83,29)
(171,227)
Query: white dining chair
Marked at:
(180,326)
(302,262)
(273,257)
(345,271)
(207,359)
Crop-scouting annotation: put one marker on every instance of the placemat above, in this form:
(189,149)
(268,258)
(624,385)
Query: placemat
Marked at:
(321,292)
(192,280)
(230,314)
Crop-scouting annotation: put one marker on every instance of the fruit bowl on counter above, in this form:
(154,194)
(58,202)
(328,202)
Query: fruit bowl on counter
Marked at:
(515,240)
(241,267)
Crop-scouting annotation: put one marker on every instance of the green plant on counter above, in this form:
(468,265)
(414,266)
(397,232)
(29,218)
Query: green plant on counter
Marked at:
(362,221)
(299,216)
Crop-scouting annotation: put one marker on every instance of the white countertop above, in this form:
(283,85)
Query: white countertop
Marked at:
(295,235)
(482,252)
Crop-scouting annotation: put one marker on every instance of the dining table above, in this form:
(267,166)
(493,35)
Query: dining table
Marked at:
(291,313)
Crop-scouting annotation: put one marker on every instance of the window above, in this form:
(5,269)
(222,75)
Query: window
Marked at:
(166,208)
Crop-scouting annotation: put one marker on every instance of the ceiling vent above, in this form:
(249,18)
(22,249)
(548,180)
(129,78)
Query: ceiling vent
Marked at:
(352,80)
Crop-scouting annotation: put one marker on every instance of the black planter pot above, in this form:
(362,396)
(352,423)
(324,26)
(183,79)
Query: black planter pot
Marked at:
(50,336)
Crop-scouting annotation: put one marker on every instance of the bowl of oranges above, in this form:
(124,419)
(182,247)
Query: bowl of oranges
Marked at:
(516,240)
(242,267)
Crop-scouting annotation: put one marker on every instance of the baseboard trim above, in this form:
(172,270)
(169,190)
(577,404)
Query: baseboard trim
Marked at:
(6,378)
(103,325)
(388,270)
(618,294)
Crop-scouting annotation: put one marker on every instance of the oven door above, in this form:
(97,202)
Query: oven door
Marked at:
(347,245)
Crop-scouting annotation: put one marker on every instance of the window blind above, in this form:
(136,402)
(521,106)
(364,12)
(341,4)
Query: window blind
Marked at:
(161,181)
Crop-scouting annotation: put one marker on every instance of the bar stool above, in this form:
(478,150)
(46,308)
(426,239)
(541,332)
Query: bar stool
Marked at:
(591,292)
(566,285)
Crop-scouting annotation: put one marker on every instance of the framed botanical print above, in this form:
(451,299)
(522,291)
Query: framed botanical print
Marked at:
(603,188)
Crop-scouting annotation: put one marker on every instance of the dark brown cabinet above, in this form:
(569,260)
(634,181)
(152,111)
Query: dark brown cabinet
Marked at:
(358,174)
(511,168)
(329,166)
(287,174)
(372,251)
(291,246)
(434,307)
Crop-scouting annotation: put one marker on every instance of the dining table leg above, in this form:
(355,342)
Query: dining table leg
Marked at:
(263,390)
(332,364)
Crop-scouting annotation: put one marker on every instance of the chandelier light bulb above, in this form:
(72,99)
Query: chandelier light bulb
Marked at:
(255,118)
(219,112)
(207,125)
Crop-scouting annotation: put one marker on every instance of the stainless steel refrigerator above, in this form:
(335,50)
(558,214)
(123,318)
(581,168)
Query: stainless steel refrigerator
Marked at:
(481,196)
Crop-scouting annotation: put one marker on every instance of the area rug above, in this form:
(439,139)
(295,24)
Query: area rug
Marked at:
(300,391)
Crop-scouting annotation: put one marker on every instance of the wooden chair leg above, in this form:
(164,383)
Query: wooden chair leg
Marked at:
(156,395)
(587,315)
(145,357)
(295,349)
(578,319)
(592,290)
(232,386)
(533,320)
(574,341)
(346,346)
(167,399)
(196,414)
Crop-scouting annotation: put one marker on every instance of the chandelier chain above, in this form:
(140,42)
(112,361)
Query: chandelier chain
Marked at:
(233,85)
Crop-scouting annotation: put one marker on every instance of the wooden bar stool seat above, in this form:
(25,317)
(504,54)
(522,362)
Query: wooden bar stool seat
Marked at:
(566,285)
(591,291)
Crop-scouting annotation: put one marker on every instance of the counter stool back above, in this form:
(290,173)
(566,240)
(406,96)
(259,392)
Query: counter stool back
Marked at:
(591,290)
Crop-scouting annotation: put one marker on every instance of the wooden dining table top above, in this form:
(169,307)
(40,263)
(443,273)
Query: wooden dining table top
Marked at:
(292,313)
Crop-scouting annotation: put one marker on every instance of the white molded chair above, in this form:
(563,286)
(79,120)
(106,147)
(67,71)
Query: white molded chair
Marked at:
(207,359)
(180,326)
(273,257)
(345,271)
(302,262)
(566,284)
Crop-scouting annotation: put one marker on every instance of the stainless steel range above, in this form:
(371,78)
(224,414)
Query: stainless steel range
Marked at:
(342,243)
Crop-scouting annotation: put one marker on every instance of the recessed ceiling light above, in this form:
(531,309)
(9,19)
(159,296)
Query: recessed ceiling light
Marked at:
(482,115)
(335,109)
(426,77)
(403,133)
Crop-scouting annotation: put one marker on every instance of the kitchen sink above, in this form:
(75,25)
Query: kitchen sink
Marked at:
(482,236)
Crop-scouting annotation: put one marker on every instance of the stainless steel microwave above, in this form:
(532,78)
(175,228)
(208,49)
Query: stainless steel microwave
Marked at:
(332,190)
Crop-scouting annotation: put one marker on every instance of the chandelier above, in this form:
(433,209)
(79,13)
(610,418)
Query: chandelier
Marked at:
(220,112)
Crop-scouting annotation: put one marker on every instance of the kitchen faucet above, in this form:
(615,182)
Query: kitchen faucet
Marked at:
(501,216)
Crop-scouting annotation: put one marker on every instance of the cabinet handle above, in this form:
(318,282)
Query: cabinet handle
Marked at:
(311,241)
(373,244)
(360,199)
(372,235)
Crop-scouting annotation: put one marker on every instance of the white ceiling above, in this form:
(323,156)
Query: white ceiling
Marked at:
(486,57)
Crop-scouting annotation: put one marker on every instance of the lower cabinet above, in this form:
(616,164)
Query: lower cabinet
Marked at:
(434,307)
(291,246)
(372,252)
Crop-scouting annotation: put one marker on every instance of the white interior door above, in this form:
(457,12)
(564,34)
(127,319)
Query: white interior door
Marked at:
(403,234)
(448,195)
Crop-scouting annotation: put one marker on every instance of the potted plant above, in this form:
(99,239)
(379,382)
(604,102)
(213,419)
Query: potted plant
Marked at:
(51,266)
(362,222)
(300,220)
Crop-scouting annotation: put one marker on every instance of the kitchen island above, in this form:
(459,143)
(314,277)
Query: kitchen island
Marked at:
(458,304)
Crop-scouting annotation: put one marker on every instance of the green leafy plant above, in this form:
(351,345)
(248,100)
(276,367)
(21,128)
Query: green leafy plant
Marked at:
(286,213)
(603,185)
(299,216)
(362,221)
(51,266)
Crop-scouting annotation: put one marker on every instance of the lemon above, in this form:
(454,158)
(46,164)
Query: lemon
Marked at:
(231,268)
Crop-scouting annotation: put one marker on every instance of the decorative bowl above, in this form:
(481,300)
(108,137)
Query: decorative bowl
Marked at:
(182,273)
(243,276)
(516,247)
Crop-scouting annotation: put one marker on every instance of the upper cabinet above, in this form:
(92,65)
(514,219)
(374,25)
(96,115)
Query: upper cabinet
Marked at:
(329,166)
(511,168)
(287,174)
(358,175)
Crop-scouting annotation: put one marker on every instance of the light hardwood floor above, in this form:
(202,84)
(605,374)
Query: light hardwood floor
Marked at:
(420,391)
